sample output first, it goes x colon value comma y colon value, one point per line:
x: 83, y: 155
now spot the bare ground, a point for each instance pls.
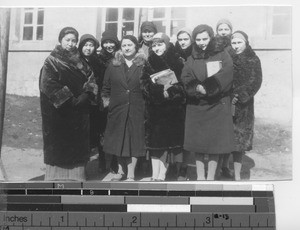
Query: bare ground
x: 22, y: 156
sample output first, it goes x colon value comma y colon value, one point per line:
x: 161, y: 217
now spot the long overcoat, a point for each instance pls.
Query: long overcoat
x: 65, y: 127
x: 164, y: 117
x: 125, y: 132
x: 247, y: 79
x: 208, y: 124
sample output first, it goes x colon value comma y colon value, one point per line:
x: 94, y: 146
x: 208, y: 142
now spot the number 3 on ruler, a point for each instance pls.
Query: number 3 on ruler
x: 207, y: 220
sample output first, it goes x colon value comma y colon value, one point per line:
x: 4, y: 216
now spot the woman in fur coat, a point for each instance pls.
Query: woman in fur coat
x: 247, y: 79
x: 164, y: 106
x: 65, y: 98
x: 121, y: 92
x: 207, y: 77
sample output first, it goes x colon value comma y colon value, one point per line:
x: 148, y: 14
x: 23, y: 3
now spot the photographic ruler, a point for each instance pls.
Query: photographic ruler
x: 136, y: 206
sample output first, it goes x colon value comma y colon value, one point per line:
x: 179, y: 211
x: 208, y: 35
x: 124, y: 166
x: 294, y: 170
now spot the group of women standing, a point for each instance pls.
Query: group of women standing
x: 85, y: 94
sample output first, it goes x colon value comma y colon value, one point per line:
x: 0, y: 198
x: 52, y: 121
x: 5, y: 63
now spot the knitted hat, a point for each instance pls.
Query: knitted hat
x: 148, y: 26
x: 161, y: 37
x: 107, y: 35
x: 133, y: 39
x: 68, y: 30
x: 202, y: 28
x: 185, y: 30
x: 224, y: 21
x: 87, y: 37
x: 241, y: 35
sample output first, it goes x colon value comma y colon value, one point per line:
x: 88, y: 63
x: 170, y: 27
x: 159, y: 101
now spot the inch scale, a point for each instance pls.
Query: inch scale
x: 128, y: 206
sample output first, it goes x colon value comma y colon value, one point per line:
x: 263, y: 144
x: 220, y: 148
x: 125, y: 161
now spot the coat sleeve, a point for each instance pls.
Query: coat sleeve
x: 152, y: 92
x: 50, y: 85
x: 106, y: 88
x: 189, y: 80
x: 247, y: 91
x: 221, y: 82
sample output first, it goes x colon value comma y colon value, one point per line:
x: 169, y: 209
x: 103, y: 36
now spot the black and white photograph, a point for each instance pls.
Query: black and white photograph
x: 81, y: 103
x: 152, y: 93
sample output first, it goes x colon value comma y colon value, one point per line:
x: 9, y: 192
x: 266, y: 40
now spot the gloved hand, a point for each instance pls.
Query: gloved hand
x: 91, y: 85
x: 82, y: 100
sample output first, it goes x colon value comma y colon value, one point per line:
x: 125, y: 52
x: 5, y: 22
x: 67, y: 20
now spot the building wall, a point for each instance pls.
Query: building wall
x: 273, y: 101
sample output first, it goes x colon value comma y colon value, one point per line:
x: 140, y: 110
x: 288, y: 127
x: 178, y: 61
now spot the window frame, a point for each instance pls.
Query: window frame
x: 34, y: 23
x: 167, y: 20
x: 120, y: 20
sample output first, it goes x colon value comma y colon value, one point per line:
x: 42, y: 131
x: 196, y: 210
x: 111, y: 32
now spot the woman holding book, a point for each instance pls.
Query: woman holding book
x: 125, y: 132
x: 207, y: 77
x: 247, y: 79
x: 165, y: 99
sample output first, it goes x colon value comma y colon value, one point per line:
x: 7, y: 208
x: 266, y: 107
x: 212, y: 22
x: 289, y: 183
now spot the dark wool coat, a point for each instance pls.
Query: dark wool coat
x: 247, y: 79
x: 65, y: 128
x: 164, y: 116
x: 125, y: 132
x: 208, y: 125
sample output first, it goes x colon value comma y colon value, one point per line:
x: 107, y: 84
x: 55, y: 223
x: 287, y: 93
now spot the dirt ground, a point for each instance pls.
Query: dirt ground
x: 22, y: 155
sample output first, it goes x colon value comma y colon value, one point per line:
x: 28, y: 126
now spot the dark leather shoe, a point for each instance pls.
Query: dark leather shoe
x: 226, y: 172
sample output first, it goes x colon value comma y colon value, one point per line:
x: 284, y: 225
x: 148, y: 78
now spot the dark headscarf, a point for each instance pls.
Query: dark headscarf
x: 107, y: 35
x: 202, y: 28
x: 68, y: 30
x: 88, y: 37
x: 133, y: 39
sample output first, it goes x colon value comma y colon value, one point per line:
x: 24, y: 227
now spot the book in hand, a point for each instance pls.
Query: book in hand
x: 213, y: 67
x: 166, y: 78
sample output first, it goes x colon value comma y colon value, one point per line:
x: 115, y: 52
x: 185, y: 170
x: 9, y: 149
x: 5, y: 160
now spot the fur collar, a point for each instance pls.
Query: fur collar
x: 70, y: 58
x: 183, y: 53
x: 168, y: 60
x: 245, y: 56
x: 139, y: 58
x: 215, y: 46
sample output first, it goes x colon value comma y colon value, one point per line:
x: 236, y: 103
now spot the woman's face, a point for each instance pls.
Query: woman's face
x: 128, y: 48
x: 68, y: 42
x: 109, y: 46
x: 224, y: 30
x: 147, y: 35
x: 184, y: 40
x: 159, y: 48
x: 239, y: 45
x: 202, y: 40
x: 88, y: 48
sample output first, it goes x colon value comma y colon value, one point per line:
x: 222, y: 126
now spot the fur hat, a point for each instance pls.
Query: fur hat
x: 224, y: 21
x: 133, y: 39
x: 161, y: 37
x: 148, y: 26
x: 68, y: 30
x: 241, y: 35
x: 107, y: 35
x: 202, y: 28
x: 185, y: 30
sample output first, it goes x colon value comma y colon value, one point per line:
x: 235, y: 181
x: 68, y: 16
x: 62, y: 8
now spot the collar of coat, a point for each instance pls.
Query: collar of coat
x: 183, y: 53
x: 71, y: 58
x: 215, y: 46
x: 170, y: 59
x: 139, y: 58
